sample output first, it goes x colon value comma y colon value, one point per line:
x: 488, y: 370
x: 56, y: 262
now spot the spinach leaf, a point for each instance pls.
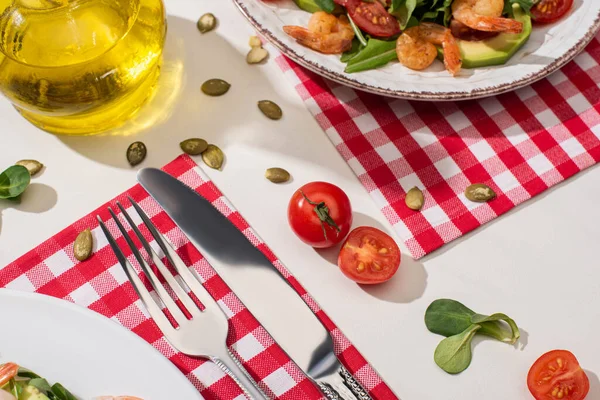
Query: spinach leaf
x: 62, y: 393
x: 377, y: 54
x: 41, y: 384
x: 356, y: 48
x: 403, y: 10
x: 453, y: 354
x: 25, y: 373
x: 448, y: 317
x: 410, y: 12
x: 326, y: 5
x: 14, y: 181
x: 524, y: 4
x: 357, y: 32
x: 495, y: 330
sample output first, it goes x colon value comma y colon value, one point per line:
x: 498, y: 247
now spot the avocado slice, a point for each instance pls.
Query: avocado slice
x: 312, y: 7
x: 497, y: 50
x: 32, y: 393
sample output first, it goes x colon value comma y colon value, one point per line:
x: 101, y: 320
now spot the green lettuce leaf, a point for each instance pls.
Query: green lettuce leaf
x: 525, y: 5
x: 403, y: 10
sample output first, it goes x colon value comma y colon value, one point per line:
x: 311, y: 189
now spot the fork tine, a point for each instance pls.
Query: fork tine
x: 161, y: 292
x: 145, y: 296
x: 188, y: 277
x: 179, y: 290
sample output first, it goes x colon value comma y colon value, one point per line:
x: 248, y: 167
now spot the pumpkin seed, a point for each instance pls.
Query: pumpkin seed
x: 479, y: 193
x: 414, y: 199
x: 256, y: 55
x: 193, y: 146
x: 32, y: 166
x: 270, y: 109
x: 136, y: 153
x: 277, y: 175
x: 207, y: 23
x: 215, y: 87
x: 82, y: 248
x: 213, y: 156
x: 255, y: 41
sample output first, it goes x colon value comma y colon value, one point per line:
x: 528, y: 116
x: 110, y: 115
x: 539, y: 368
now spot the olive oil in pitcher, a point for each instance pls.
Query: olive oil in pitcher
x: 80, y: 66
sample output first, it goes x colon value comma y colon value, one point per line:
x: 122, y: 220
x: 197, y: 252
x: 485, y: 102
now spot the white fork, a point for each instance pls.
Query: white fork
x: 205, y: 334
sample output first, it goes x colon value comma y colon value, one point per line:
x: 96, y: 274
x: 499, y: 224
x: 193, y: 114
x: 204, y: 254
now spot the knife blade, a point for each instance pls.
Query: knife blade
x: 247, y: 271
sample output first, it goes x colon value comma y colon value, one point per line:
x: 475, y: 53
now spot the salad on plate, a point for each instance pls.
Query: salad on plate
x: 17, y: 383
x: 461, y: 33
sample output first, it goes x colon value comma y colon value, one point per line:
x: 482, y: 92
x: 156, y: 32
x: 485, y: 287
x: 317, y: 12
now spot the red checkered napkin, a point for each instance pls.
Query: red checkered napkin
x: 101, y: 285
x: 520, y: 144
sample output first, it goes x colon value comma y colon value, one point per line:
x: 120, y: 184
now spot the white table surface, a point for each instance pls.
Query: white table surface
x: 537, y: 264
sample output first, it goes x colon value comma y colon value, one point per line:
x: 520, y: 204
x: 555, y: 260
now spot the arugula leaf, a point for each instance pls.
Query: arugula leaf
x: 356, y: 48
x: 326, y: 5
x: 357, y: 32
x: 14, y: 181
x: 524, y: 4
x: 377, y: 54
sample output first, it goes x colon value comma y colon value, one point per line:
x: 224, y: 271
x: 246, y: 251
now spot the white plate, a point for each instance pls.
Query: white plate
x: 86, y: 352
x: 548, y: 49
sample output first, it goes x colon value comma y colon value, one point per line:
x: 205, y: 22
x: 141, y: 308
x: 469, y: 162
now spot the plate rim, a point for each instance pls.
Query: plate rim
x: 527, y: 80
x: 116, y: 327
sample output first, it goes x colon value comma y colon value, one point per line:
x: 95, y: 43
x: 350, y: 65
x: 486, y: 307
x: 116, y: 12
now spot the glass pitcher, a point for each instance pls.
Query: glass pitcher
x: 80, y: 67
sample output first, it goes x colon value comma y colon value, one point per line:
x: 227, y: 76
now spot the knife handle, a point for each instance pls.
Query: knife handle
x: 353, y: 384
x: 342, y: 386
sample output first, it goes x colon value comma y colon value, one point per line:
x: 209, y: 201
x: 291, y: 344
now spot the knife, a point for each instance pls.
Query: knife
x: 258, y: 284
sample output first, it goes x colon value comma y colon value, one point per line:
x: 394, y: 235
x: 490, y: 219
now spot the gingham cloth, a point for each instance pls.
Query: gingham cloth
x: 520, y: 144
x: 101, y: 285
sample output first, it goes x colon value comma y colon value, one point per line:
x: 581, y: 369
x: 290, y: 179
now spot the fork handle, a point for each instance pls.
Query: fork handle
x: 232, y: 367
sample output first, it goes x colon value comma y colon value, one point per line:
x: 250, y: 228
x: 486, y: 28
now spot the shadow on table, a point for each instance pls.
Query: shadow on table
x: 38, y: 198
x: 407, y: 285
x: 179, y: 110
x: 594, y: 385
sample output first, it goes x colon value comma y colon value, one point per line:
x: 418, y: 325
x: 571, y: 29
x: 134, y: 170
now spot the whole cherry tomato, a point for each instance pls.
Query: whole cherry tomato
x: 320, y: 214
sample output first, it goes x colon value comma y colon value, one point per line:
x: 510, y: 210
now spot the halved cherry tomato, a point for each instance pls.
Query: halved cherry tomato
x: 372, y: 18
x: 369, y: 256
x: 557, y: 375
x: 320, y: 214
x: 547, y: 11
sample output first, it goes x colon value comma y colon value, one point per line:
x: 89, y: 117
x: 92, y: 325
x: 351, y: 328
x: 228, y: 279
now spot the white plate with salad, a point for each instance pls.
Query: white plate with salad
x: 66, y: 352
x: 428, y: 49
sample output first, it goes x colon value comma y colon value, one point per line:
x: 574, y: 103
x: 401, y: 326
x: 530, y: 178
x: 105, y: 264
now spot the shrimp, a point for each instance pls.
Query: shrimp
x: 484, y: 15
x: 7, y: 372
x: 326, y: 33
x: 416, y: 47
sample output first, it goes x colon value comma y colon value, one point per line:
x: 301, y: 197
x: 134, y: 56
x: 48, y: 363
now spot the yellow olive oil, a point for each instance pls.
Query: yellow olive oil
x: 80, y: 67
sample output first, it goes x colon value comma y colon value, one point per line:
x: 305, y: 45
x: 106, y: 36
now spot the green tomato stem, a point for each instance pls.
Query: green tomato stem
x: 322, y: 212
